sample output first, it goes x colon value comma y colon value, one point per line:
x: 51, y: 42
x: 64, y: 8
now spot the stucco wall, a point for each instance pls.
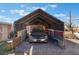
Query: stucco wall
x: 5, y: 29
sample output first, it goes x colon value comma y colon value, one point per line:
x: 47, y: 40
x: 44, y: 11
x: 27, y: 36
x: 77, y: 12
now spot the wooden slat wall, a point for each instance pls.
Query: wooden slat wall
x: 59, y: 36
x: 16, y: 41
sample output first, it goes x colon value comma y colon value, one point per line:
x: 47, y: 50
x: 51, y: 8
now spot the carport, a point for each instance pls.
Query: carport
x: 53, y: 26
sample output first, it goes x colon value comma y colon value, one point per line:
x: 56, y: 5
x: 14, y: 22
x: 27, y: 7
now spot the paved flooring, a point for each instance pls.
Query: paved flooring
x: 47, y: 48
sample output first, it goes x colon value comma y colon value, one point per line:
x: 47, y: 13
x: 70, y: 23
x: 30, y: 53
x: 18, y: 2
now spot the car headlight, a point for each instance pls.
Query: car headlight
x: 43, y: 39
x: 34, y: 40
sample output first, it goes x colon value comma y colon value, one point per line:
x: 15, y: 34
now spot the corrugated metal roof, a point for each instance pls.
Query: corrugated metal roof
x: 39, y: 11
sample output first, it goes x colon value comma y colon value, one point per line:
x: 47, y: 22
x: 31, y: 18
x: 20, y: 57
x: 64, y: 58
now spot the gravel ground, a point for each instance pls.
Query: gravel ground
x: 48, y: 48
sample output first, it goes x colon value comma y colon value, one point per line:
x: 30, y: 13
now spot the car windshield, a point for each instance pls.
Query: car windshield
x: 38, y: 33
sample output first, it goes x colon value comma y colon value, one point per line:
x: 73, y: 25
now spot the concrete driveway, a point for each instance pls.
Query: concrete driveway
x: 47, y: 48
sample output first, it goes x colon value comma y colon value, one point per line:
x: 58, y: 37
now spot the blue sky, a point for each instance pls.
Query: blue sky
x: 10, y: 12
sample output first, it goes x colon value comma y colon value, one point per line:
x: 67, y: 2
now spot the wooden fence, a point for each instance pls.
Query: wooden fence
x: 16, y: 41
x: 59, y: 36
x: 20, y: 37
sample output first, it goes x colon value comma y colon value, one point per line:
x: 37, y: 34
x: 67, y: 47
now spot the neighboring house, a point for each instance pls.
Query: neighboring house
x: 5, y: 29
x: 54, y: 26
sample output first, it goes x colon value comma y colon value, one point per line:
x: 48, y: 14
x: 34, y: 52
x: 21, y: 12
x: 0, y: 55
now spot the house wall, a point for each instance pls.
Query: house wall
x: 5, y: 29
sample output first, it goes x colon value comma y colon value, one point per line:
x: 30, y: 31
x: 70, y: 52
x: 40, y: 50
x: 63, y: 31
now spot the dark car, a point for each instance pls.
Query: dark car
x: 38, y: 35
